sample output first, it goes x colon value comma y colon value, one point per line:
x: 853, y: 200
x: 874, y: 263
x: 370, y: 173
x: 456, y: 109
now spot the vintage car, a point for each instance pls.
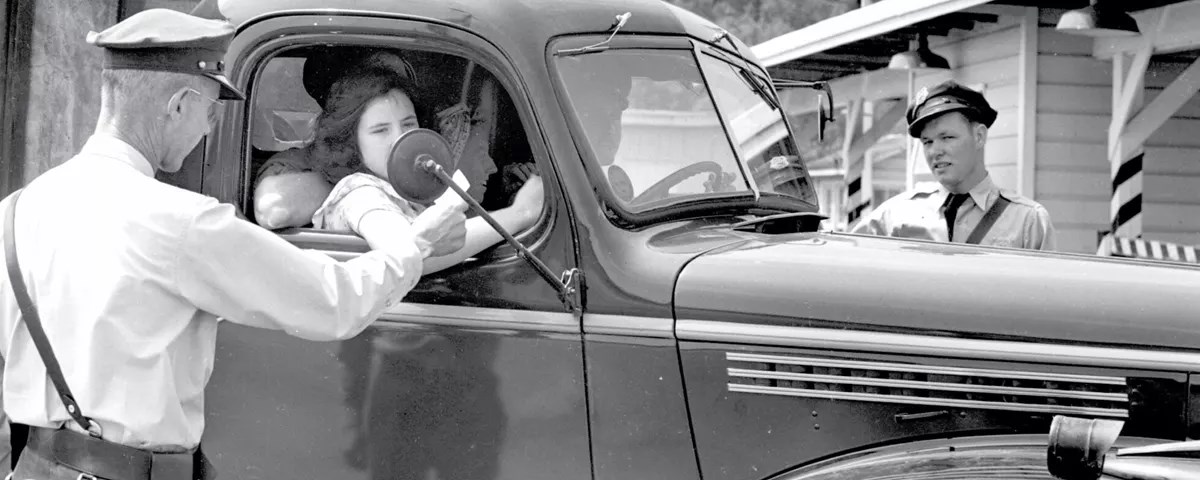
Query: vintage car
x: 700, y: 325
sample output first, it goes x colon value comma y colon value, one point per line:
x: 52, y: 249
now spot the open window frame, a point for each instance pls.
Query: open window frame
x: 518, y: 114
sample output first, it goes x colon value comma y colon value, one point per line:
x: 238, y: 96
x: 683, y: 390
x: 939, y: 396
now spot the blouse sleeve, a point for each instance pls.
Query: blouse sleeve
x: 355, y: 196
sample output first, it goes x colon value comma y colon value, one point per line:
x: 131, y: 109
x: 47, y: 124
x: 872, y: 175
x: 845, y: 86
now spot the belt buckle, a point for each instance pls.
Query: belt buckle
x: 94, y: 430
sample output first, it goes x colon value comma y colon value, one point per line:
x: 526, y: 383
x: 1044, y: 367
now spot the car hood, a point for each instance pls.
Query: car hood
x: 854, y: 281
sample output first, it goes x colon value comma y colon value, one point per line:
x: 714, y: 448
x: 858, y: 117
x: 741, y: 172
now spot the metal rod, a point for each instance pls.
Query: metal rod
x: 433, y: 167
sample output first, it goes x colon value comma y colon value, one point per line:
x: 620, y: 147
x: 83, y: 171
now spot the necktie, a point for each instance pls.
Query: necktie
x: 953, y: 202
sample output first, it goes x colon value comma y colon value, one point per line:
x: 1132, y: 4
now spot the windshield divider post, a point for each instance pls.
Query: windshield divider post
x: 738, y: 154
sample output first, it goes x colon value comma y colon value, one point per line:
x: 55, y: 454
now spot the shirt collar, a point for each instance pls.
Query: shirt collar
x: 981, y: 194
x: 108, y: 146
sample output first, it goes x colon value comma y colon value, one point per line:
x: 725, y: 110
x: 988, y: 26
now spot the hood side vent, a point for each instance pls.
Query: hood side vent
x: 913, y: 384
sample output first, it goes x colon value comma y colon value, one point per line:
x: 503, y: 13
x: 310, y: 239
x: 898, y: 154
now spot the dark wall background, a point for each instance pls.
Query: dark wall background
x: 51, y: 79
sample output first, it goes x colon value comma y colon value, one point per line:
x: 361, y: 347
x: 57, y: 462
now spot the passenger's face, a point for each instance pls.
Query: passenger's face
x: 477, y: 168
x: 383, y: 121
x: 954, y: 151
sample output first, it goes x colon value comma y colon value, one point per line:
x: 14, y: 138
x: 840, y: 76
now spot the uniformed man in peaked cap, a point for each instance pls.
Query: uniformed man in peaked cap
x: 965, y: 206
x: 115, y: 281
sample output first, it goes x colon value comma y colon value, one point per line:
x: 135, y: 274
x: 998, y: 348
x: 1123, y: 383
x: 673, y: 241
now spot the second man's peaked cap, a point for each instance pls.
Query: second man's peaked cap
x: 948, y: 97
x: 165, y: 40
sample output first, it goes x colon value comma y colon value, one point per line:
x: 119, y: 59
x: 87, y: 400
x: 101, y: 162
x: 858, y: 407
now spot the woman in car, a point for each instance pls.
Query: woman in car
x: 364, y: 113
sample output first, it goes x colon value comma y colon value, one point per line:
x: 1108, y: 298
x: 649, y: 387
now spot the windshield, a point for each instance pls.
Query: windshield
x: 659, y: 132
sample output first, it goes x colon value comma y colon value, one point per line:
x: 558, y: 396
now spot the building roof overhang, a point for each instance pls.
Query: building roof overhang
x: 864, y: 39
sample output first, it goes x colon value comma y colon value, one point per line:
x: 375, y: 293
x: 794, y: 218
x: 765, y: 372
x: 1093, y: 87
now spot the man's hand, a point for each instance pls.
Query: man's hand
x: 441, y: 229
x: 515, y: 175
x: 520, y: 172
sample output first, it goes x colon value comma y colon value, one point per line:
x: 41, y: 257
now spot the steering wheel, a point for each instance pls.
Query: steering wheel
x: 661, y: 188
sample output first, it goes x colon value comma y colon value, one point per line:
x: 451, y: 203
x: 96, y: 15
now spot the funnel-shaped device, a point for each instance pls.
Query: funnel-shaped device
x: 410, y: 165
x: 418, y: 169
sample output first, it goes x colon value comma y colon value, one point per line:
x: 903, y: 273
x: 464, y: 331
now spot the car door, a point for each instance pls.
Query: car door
x: 477, y: 374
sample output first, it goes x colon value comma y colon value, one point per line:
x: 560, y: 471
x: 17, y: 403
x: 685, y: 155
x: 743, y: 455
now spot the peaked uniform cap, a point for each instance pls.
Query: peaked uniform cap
x: 165, y: 40
x: 948, y: 97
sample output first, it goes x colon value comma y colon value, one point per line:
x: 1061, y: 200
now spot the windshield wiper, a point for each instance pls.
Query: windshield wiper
x: 618, y: 22
x: 759, y: 88
x: 750, y: 79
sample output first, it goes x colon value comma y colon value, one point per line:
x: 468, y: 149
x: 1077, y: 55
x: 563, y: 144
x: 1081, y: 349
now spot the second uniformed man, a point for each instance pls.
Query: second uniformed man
x: 965, y: 206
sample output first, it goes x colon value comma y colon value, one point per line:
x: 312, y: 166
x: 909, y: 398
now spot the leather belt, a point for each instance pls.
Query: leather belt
x: 109, y: 460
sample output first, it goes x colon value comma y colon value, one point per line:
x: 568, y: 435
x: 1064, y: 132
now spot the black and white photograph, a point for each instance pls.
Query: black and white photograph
x: 600, y: 240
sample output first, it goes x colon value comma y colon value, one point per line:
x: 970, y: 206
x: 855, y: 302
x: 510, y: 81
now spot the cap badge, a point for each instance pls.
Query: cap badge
x: 922, y: 95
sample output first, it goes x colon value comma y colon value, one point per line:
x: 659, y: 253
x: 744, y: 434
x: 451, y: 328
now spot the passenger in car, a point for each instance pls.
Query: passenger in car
x: 364, y: 113
x: 289, y: 189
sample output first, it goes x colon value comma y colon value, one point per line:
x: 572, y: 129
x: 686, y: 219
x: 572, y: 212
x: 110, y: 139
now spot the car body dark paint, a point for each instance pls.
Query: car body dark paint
x: 486, y: 374
x: 751, y: 436
x: 640, y: 426
x: 970, y: 291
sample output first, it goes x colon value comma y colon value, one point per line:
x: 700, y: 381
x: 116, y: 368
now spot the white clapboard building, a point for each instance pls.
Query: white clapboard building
x: 1099, y: 123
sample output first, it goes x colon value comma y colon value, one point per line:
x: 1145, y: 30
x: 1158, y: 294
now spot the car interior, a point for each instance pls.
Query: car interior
x: 284, y: 108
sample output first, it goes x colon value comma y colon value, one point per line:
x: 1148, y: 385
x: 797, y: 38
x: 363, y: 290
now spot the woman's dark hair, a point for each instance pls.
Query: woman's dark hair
x: 334, y: 148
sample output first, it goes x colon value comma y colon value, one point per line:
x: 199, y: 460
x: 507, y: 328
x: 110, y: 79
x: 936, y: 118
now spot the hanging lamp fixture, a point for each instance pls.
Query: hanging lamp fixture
x: 919, y: 56
x: 1098, y: 19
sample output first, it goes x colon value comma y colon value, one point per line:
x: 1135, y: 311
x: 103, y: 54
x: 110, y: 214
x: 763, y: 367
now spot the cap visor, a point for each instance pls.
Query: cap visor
x: 228, y: 91
x: 914, y: 129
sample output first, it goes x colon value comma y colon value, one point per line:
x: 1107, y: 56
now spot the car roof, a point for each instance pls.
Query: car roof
x: 502, y: 18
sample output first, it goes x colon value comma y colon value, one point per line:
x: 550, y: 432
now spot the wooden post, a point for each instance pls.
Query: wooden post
x: 1027, y: 108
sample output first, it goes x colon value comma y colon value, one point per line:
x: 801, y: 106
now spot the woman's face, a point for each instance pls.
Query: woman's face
x: 383, y: 121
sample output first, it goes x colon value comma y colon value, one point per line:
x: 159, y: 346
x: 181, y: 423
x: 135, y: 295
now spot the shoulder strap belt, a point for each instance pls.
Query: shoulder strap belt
x: 989, y: 219
x: 34, y: 323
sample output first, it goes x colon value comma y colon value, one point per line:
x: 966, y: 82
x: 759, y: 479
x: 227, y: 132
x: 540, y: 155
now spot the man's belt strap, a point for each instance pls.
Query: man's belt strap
x: 989, y: 219
x: 104, y: 459
x: 34, y: 322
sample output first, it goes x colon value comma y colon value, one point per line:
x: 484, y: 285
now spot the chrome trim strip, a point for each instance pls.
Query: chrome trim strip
x: 915, y: 368
x: 933, y: 346
x: 482, y: 318
x: 937, y: 402
x: 936, y: 386
x: 627, y: 325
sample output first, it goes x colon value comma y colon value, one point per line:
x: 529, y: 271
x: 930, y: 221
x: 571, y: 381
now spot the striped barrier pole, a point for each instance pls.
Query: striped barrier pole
x: 1119, y: 246
x: 857, y: 197
x: 858, y: 202
x: 1125, y: 154
x: 1126, y: 204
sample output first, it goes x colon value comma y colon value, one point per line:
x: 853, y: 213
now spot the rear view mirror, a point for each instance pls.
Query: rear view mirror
x: 824, y: 102
x: 420, y: 167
